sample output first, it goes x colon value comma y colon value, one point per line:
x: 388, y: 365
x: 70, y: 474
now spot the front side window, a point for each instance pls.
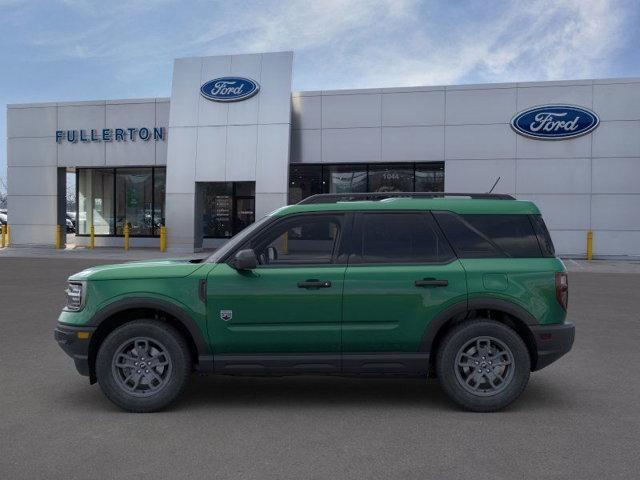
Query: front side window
x: 303, y: 240
x: 399, y: 238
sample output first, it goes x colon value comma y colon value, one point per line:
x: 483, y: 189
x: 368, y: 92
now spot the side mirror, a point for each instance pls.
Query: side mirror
x: 245, y: 260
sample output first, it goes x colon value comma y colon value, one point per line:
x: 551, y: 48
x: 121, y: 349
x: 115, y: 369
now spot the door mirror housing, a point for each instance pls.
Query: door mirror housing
x: 245, y: 260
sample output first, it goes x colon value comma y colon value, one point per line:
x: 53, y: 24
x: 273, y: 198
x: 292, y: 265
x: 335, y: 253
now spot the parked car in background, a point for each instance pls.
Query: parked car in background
x: 468, y: 289
x: 71, y: 222
x: 3, y: 218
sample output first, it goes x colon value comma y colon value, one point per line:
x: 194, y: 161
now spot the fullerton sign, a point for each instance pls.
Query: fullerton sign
x: 110, y: 135
x: 555, y: 122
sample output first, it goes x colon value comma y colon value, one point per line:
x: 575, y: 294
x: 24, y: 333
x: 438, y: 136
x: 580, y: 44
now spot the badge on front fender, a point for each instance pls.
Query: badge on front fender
x: 226, y: 315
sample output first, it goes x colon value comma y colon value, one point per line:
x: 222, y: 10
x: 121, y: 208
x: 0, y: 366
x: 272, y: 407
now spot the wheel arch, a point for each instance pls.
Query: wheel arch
x: 502, y: 311
x: 126, y: 310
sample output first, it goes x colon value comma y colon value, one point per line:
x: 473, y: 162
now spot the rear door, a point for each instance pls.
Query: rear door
x: 401, y: 273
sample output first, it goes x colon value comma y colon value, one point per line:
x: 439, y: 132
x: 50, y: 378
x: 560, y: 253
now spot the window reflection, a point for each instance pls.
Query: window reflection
x: 95, y: 201
x: 391, y: 178
x: 134, y: 193
x: 307, y: 180
x: 227, y: 207
x: 110, y: 198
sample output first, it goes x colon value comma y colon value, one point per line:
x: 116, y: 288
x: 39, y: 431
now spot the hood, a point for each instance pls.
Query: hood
x: 140, y: 270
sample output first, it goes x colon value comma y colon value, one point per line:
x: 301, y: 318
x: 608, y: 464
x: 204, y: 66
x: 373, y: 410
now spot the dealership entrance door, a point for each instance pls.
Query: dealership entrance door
x: 224, y: 208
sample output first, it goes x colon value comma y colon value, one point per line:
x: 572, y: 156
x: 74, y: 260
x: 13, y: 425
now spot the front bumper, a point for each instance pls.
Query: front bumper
x: 552, y: 342
x: 75, y: 343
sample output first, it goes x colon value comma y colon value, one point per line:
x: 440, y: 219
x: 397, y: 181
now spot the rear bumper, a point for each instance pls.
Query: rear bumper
x: 75, y: 346
x: 552, y: 342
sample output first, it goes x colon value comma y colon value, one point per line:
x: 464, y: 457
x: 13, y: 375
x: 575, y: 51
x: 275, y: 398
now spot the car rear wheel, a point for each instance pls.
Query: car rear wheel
x: 143, y: 366
x: 483, y: 365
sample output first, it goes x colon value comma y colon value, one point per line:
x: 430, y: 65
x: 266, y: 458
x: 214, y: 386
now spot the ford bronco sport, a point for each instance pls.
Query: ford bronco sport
x: 465, y: 287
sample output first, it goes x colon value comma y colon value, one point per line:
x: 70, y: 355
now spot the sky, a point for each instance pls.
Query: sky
x: 87, y: 50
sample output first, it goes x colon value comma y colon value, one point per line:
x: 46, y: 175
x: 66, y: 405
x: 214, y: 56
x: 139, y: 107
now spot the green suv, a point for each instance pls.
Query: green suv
x: 463, y: 287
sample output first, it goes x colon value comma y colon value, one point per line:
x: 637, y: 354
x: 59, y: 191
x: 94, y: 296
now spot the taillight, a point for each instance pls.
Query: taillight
x: 562, y: 289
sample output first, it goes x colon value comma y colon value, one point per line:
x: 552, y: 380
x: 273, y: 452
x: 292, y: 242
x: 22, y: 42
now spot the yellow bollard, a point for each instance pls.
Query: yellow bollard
x: 126, y: 236
x: 3, y: 235
x: 58, y: 236
x: 163, y: 238
x: 8, y: 235
x: 589, y: 245
x: 92, y: 237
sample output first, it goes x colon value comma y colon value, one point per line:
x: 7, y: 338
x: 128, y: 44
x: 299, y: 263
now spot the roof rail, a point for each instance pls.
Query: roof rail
x: 354, y: 197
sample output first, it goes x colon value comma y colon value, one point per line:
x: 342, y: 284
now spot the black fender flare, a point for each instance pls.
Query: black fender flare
x: 172, y: 309
x: 463, y: 307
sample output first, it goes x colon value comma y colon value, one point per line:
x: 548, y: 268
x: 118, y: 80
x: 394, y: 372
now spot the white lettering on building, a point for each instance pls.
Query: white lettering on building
x: 548, y: 122
x: 224, y: 88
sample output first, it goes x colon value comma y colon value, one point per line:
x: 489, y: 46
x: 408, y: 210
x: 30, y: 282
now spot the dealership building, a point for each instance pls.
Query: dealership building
x: 233, y: 142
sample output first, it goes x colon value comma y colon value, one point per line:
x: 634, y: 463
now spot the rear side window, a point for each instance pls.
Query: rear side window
x: 399, y: 238
x: 490, y: 236
x: 544, y: 239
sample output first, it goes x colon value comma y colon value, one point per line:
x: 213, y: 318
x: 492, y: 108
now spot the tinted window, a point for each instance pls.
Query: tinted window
x: 490, y: 236
x: 544, y: 239
x: 304, y: 240
x: 399, y: 238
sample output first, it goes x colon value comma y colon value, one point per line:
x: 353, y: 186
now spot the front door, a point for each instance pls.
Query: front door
x: 401, y: 273
x: 290, y: 305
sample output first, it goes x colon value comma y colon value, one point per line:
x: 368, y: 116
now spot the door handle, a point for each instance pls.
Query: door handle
x: 314, y: 284
x: 431, y: 282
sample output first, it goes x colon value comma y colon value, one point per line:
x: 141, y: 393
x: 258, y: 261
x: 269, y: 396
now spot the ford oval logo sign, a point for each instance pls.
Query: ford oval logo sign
x: 229, y: 89
x: 555, y: 122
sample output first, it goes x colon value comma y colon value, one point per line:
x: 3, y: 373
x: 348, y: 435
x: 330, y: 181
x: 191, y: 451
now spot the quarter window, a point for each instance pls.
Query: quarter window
x: 399, y: 238
x: 490, y: 235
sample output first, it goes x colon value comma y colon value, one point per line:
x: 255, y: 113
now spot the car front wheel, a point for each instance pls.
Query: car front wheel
x: 483, y: 365
x: 143, y: 366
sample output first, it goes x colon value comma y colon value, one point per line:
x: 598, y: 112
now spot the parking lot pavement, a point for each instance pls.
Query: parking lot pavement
x: 578, y: 419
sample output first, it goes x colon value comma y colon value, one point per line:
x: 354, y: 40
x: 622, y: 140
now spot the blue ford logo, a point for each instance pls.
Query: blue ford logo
x: 229, y: 89
x: 555, y: 122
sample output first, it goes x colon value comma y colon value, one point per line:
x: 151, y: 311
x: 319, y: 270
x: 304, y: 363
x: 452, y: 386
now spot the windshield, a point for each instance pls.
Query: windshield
x: 237, y: 240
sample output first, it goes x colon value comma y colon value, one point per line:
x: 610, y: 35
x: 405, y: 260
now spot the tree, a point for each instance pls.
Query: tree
x: 3, y: 193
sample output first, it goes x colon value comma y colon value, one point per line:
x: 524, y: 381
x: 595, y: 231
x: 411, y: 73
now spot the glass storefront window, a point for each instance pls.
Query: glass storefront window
x: 134, y: 193
x: 159, y: 194
x: 304, y: 181
x: 391, y: 178
x: 227, y: 207
x: 344, y: 178
x: 95, y: 201
x: 430, y: 177
x: 307, y: 180
x: 110, y: 198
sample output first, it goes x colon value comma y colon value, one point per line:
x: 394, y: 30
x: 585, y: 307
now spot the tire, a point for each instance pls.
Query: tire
x: 502, y: 360
x: 139, y: 383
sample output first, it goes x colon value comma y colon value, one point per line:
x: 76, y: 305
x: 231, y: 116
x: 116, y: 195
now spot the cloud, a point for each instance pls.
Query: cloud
x: 360, y: 43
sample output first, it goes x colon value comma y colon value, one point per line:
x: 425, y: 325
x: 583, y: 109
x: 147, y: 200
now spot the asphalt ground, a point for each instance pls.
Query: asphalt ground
x: 578, y: 418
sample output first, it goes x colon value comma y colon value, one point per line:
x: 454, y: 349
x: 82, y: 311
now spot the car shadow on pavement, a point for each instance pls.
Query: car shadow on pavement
x: 332, y: 392
x: 220, y: 392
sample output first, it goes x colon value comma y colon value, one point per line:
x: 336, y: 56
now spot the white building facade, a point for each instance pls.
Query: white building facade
x: 234, y: 142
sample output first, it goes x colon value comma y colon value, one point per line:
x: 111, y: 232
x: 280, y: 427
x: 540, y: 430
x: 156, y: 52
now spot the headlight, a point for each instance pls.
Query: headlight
x: 75, y: 296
